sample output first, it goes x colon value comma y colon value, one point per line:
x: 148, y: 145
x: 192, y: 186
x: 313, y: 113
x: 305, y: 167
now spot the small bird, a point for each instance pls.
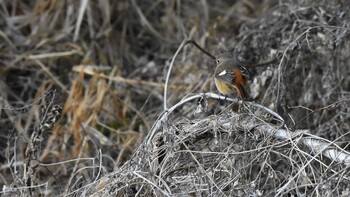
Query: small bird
x: 231, y: 75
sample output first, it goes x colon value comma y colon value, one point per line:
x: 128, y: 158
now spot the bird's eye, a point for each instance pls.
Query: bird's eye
x: 218, y: 60
x: 243, y: 68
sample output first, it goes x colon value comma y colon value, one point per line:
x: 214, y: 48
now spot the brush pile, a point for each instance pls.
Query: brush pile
x: 82, y: 106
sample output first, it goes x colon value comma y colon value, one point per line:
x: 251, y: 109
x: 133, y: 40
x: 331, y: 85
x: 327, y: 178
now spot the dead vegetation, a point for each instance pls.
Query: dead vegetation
x: 105, y: 64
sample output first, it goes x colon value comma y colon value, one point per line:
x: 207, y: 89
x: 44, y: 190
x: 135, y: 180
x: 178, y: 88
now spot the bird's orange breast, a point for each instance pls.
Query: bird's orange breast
x: 239, y: 78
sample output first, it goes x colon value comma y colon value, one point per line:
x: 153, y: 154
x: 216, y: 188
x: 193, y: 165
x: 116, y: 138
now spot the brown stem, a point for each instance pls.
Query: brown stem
x: 200, y: 48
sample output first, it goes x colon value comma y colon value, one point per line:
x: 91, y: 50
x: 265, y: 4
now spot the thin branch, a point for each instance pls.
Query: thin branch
x: 169, y: 71
x: 200, y: 48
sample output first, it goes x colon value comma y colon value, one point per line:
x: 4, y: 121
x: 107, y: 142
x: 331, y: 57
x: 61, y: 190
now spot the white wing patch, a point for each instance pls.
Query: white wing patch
x: 222, y: 73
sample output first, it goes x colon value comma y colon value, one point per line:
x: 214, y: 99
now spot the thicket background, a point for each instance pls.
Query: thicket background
x: 104, y: 62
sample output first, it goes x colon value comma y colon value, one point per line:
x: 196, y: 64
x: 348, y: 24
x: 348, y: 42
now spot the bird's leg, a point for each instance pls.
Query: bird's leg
x: 241, y: 102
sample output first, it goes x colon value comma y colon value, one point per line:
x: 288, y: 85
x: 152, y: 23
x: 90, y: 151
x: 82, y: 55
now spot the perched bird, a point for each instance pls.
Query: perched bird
x: 231, y: 75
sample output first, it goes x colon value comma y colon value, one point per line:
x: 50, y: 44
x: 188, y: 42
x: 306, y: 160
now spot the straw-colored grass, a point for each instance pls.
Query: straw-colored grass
x: 108, y: 98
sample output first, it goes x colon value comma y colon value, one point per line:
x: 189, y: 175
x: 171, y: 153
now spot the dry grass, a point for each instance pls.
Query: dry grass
x: 105, y: 62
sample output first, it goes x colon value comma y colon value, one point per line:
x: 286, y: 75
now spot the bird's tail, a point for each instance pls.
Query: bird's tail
x: 242, y: 92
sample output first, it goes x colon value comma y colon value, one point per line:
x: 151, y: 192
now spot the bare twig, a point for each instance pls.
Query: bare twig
x: 169, y: 71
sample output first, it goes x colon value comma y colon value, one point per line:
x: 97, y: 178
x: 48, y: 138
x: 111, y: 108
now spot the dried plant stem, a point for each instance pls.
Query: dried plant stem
x: 169, y: 71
